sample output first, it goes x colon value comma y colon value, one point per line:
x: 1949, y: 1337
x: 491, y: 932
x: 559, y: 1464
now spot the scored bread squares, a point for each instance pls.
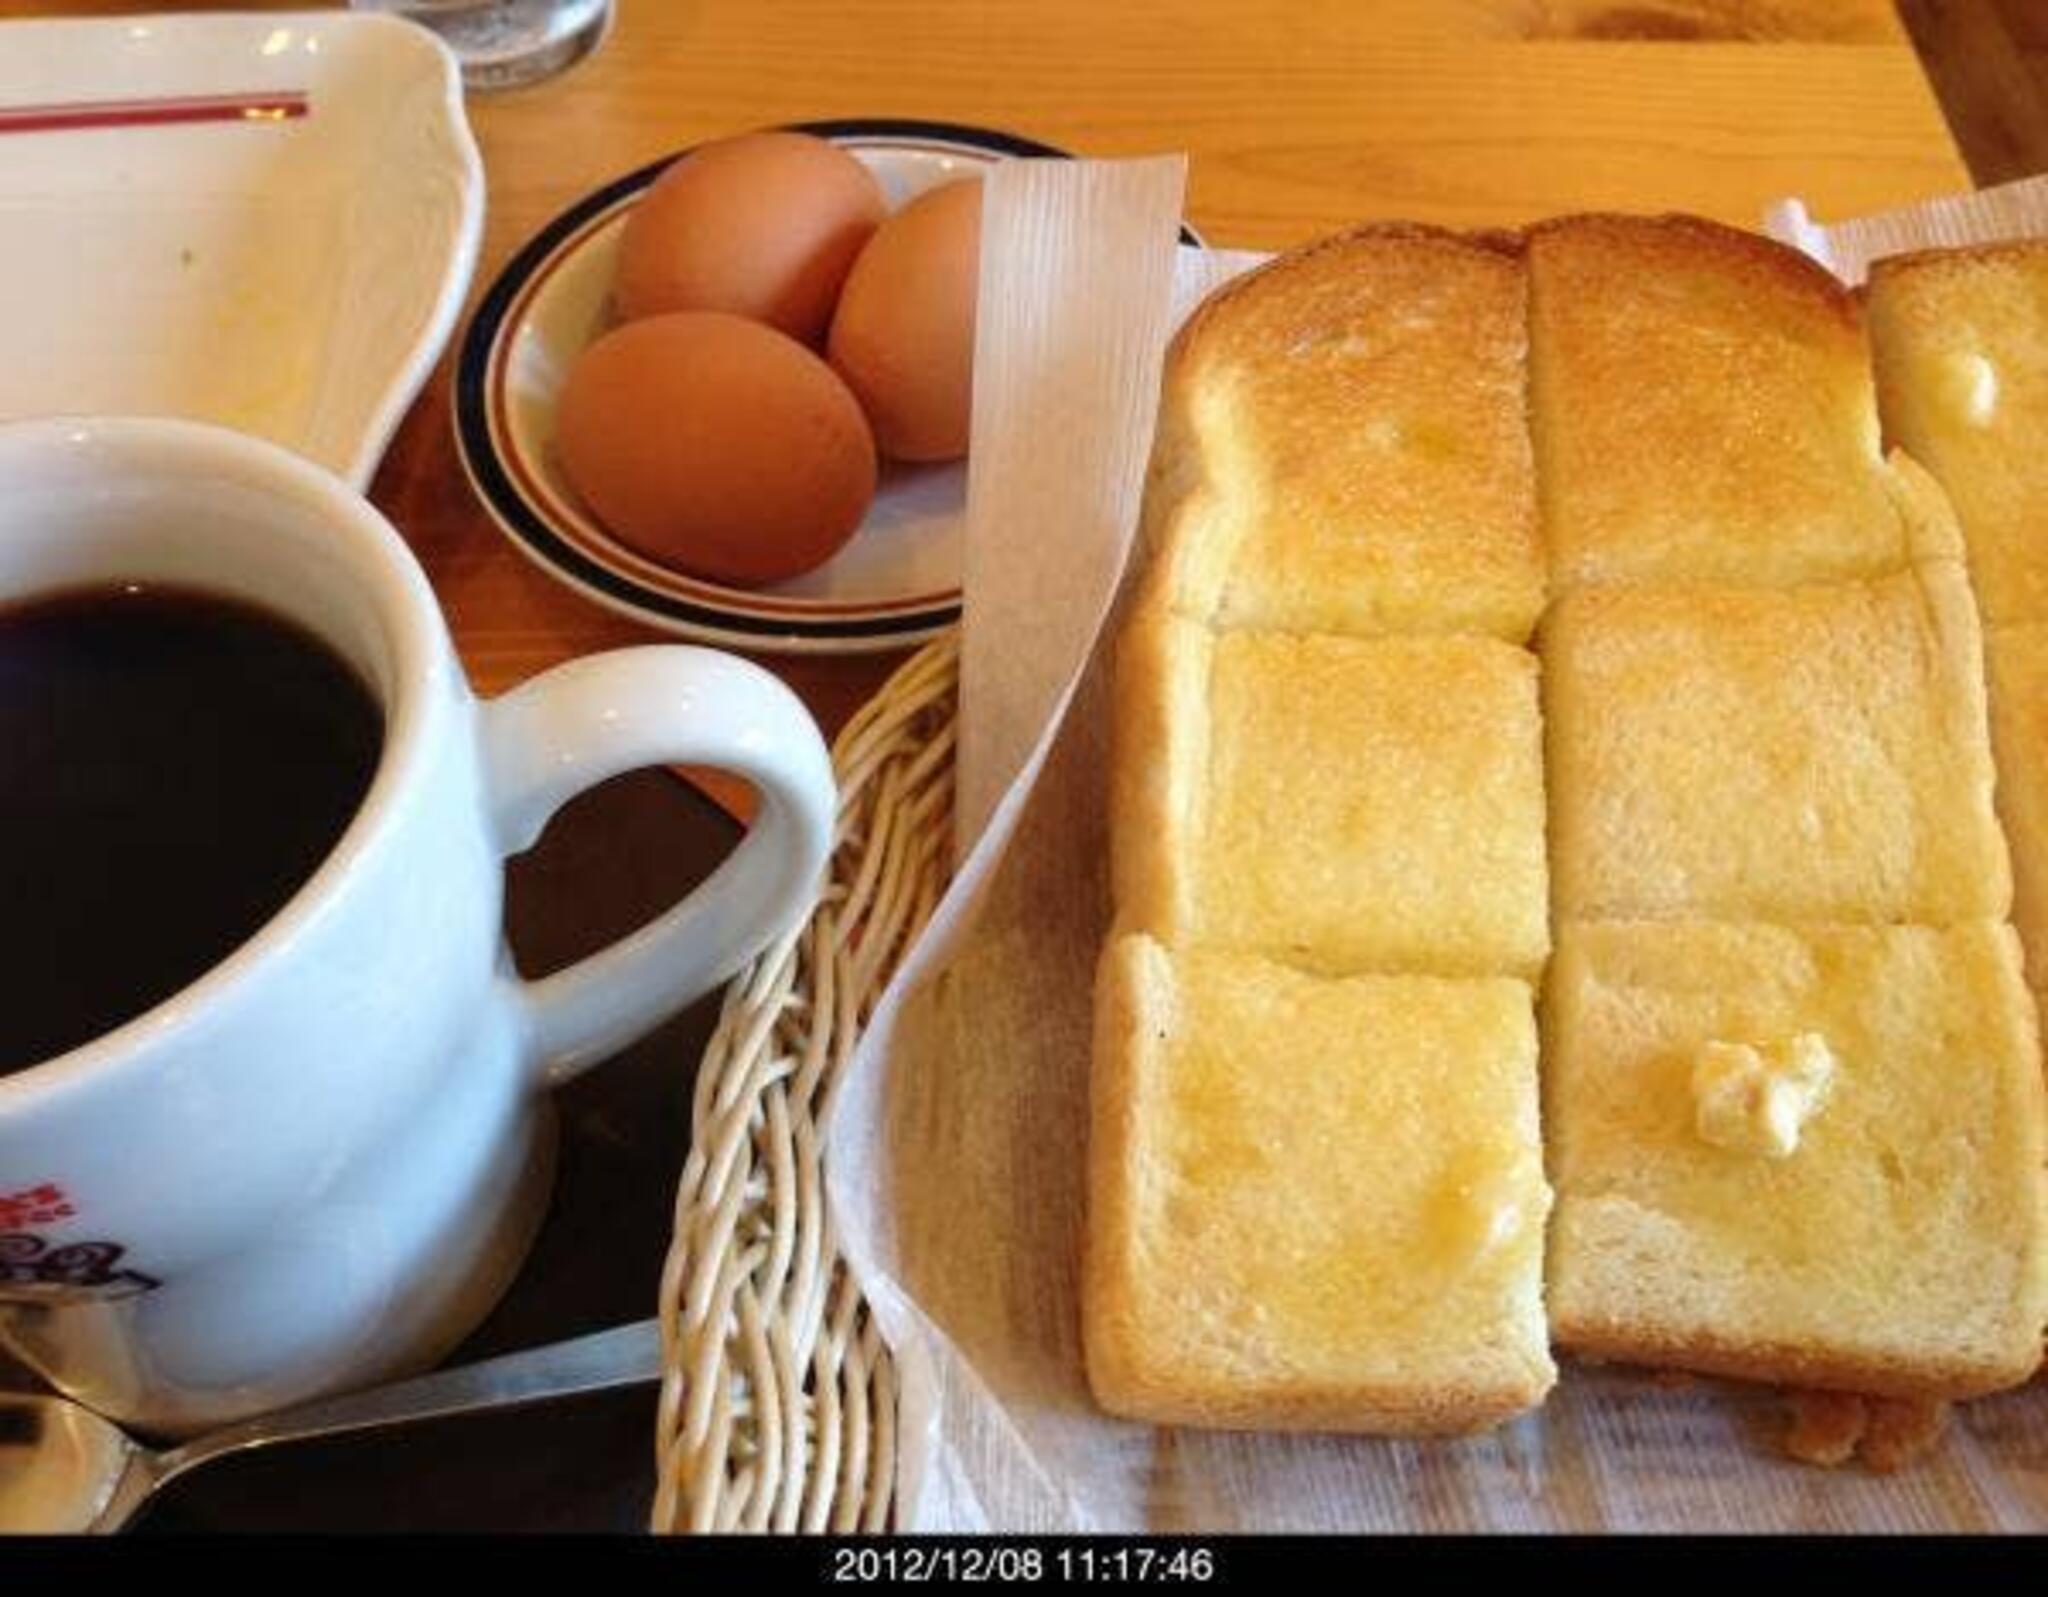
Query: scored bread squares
x: 1343, y: 444
x: 1704, y: 413
x: 1313, y: 1203
x: 1347, y: 804
x: 1798, y: 754
x: 1960, y: 339
x: 1895, y: 1247
x: 1316, y: 1186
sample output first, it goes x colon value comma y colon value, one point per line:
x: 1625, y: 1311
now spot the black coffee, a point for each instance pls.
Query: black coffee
x: 173, y: 767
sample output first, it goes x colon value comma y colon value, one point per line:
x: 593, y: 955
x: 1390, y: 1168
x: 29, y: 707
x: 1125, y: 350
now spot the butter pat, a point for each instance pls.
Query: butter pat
x: 1751, y: 1098
x: 1977, y: 382
x: 1899, y: 1249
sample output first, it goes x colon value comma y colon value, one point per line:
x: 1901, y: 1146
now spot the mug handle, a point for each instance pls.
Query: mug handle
x: 571, y: 728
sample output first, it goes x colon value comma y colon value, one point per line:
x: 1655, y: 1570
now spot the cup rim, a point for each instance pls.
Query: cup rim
x: 419, y: 651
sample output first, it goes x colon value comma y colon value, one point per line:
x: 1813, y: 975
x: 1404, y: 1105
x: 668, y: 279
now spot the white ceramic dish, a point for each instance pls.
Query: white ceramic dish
x: 266, y: 221
x: 896, y: 582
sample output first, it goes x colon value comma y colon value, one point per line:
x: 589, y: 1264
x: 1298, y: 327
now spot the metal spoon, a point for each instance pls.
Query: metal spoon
x: 64, y: 1469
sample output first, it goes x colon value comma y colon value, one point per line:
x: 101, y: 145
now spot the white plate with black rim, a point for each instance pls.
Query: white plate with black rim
x: 896, y: 582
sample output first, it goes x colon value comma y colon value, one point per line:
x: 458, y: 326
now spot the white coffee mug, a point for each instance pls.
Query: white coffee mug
x: 321, y: 1163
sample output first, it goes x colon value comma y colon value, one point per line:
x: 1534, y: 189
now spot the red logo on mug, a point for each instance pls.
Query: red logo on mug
x: 31, y: 1267
x: 43, y: 1205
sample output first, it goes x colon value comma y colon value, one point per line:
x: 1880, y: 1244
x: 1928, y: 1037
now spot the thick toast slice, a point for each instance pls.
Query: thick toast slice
x: 2018, y: 661
x: 1961, y: 344
x: 1896, y: 1248
x: 1704, y: 413
x: 1346, y: 804
x: 1313, y: 1203
x: 1344, y: 447
x: 1816, y: 753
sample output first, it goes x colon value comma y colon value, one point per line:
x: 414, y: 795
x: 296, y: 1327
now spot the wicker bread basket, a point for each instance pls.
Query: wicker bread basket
x: 778, y: 1397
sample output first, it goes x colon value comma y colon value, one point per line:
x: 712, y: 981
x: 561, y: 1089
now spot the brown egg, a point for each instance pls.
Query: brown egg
x: 766, y: 225
x: 903, y: 337
x: 716, y: 446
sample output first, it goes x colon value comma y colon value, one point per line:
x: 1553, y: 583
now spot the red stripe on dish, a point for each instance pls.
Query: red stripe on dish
x: 571, y: 526
x: 285, y: 106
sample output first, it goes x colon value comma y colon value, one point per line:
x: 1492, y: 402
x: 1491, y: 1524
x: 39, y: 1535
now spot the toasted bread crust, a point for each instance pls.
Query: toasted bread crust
x: 1703, y: 1351
x: 1343, y: 444
x: 1687, y: 240
x: 1703, y: 411
x: 2018, y: 660
x: 1216, y: 327
x: 1953, y: 258
x: 1960, y: 340
x: 1158, y: 750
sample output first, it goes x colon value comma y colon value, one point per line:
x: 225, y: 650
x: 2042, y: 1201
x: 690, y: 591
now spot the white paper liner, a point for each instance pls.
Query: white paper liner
x: 955, y: 1155
x: 2012, y: 210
